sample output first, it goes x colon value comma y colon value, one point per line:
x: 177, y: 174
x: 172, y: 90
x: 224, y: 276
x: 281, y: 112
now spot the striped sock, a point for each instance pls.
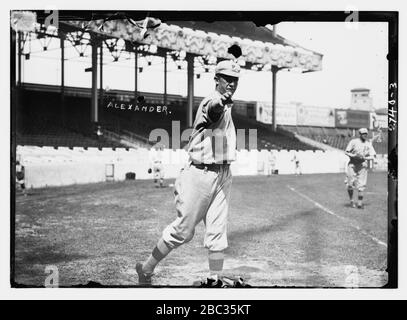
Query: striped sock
x: 215, y: 259
x: 350, y: 193
x: 160, y: 251
x: 360, y: 199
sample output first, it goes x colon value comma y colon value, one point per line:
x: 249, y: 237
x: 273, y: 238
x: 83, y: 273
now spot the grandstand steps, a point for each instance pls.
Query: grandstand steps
x: 128, y: 139
x: 335, y: 138
x: 308, y: 141
x: 267, y: 139
x: 316, y: 144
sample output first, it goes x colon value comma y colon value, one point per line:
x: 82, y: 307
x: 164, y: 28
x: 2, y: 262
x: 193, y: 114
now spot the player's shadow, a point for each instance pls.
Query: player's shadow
x: 50, y: 255
x: 348, y: 205
x: 310, y: 246
x: 279, y: 225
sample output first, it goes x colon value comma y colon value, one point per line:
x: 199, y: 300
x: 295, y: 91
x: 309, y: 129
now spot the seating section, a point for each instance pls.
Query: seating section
x: 144, y: 123
x: 71, y: 126
x: 266, y: 138
x: 40, y: 123
x: 46, y: 134
x: 340, y: 137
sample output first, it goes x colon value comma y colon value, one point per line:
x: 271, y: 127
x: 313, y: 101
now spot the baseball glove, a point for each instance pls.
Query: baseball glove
x: 359, y: 157
x: 149, y: 170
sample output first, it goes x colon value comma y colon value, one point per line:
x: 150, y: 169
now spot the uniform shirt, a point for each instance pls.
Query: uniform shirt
x: 357, y: 146
x: 20, y: 172
x: 272, y: 158
x: 212, y: 141
x: 156, y: 157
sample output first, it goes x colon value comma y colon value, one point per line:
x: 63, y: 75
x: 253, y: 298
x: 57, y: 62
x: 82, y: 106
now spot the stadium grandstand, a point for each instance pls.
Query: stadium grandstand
x: 51, y: 118
x: 42, y: 122
x: 339, y: 137
x: 60, y: 115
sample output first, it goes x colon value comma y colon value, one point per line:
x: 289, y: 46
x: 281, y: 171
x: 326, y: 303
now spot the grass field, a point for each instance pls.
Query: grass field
x: 283, y: 231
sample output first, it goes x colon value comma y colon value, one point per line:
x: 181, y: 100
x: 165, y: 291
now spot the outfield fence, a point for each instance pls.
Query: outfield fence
x: 47, y: 166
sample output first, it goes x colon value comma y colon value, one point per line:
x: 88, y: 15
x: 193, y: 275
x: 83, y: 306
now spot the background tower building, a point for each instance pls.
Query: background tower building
x: 360, y: 99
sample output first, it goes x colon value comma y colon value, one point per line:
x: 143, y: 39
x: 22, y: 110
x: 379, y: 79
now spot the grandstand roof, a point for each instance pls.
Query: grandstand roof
x: 241, y: 29
x: 260, y: 47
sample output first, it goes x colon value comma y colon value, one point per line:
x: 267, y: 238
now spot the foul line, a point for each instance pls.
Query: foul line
x: 345, y: 220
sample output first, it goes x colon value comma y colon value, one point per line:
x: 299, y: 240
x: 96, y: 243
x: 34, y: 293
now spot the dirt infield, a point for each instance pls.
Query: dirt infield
x: 283, y: 231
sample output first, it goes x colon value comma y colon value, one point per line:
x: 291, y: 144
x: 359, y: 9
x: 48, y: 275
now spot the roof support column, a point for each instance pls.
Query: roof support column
x: 94, y: 114
x: 101, y: 74
x: 62, y: 45
x: 14, y: 99
x: 165, y: 79
x: 190, y: 91
x: 135, y: 75
x: 19, y: 42
x: 274, y: 70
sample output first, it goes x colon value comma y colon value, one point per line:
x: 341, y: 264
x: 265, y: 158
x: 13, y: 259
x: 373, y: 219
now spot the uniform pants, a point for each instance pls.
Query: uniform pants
x: 201, y: 195
x: 356, y: 176
x: 158, y: 171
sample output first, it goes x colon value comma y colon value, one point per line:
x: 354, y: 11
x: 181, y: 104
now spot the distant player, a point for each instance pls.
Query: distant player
x: 296, y: 160
x: 202, y: 190
x: 271, y: 165
x: 158, y: 168
x: 360, y: 151
x: 20, y: 177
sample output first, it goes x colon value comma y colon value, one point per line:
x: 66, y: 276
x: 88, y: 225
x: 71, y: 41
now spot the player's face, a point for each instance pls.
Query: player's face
x: 226, y: 83
x: 363, y: 136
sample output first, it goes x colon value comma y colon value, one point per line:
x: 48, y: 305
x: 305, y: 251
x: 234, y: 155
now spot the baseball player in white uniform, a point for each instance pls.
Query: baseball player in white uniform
x: 296, y: 160
x: 360, y: 151
x: 271, y: 165
x: 20, y: 177
x: 202, y: 190
x: 158, y: 168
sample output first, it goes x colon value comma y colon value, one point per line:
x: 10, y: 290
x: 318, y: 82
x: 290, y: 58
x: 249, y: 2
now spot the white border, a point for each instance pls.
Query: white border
x: 195, y: 294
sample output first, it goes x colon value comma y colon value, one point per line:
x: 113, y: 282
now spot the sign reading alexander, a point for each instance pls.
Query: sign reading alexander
x: 345, y: 118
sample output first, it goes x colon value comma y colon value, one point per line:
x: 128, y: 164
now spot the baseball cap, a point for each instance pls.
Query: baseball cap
x: 363, y: 130
x: 229, y: 68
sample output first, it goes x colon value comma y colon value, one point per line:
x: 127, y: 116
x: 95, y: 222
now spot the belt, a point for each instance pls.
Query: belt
x: 215, y: 167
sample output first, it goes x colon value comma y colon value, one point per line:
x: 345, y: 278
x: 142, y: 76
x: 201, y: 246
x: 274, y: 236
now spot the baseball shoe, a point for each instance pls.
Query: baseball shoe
x: 361, y: 206
x: 209, y: 283
x: 352, y: 204
x: 235, y: 283
x: 143, y: 278
x: 224, y: 282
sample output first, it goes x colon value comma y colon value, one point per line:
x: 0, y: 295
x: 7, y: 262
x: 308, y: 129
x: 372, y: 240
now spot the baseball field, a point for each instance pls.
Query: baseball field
x: 284, y: 230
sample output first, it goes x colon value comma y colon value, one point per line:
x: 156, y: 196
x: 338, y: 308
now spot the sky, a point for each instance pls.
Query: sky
x: 351, y: 58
